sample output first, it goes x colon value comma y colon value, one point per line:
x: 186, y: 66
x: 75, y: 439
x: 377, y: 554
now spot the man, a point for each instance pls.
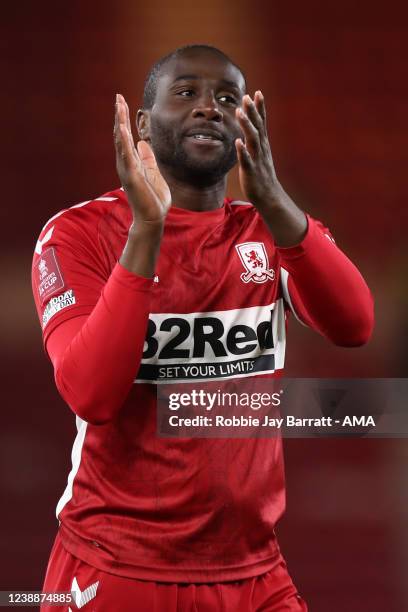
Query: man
x: 144, y: 281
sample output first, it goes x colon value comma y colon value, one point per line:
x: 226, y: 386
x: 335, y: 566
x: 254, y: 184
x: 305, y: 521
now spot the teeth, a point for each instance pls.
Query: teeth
x: 202, y: 137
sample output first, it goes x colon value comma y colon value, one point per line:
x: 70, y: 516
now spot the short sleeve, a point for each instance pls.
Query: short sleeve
x: 68, y: 269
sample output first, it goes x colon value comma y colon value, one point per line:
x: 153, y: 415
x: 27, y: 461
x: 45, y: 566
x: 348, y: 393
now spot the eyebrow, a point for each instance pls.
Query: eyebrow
x: 186, y: 77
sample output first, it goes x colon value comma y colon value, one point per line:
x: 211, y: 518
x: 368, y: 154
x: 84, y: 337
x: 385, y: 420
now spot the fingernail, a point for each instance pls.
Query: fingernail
x: 117, y: 98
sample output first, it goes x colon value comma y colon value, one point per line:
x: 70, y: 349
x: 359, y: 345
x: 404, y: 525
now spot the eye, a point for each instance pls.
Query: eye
x: 185, y: 91
x: 229, y: 99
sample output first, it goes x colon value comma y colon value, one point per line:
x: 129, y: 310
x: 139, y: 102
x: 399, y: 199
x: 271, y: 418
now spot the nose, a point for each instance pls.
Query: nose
x: 207, y: 107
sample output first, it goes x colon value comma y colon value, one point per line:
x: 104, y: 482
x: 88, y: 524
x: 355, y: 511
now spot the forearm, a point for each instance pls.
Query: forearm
x: 96, y: 366
x: 327, y: 290
x: 142, y: 248
x: 284, y: 219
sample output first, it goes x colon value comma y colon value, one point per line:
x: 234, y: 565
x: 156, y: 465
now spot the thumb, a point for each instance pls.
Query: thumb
x: 146, y: 154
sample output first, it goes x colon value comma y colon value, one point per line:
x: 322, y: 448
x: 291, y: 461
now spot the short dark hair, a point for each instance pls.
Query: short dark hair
x: 150, y: 86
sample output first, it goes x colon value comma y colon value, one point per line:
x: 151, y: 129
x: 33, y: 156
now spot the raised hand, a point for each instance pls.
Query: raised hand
x: 256, y: 170
x: 148, y: 193
x: 257, y: 176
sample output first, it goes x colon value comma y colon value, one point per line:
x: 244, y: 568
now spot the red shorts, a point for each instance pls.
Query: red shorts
x: 98, y: 591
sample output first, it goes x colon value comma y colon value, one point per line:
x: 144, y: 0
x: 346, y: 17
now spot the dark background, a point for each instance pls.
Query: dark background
x: 334, y: 79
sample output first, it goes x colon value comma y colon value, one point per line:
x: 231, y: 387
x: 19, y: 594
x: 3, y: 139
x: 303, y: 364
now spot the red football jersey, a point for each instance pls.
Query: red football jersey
x: 175, y: 510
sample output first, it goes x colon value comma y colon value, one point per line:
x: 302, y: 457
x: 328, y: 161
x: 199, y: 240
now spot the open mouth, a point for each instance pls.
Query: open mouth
x: 205, y: 135
x: 205, y: 139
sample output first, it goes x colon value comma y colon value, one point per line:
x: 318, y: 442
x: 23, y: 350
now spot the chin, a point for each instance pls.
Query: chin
x: 215, y: 166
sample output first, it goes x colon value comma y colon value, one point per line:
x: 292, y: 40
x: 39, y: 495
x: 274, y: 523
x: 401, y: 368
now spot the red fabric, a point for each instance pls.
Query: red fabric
x: 327, y: 291
x: 111, y: 338
x: 175, y: 509
x: 273, y: 591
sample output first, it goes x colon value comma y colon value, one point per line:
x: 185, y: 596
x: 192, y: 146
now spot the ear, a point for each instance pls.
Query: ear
x: 143, y: 124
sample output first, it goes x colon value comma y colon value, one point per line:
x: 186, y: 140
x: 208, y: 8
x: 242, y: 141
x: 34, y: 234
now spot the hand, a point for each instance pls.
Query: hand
x: 287, y: 223
x: 257, y: 174
x: 148, y: 193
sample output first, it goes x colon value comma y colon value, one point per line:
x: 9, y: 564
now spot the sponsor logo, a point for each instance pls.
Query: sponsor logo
x: 56, y: 304
x: 82, y: 597
x: 213, y: 345
x: 50, y: 278
x: 255, y: 261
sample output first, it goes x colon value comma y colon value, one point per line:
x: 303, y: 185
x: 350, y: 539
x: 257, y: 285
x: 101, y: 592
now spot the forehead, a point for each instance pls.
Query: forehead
x: 202, y: 65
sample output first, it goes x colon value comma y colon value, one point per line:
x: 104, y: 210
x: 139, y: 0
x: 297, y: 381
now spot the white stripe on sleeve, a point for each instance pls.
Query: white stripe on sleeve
x: 284, y: 281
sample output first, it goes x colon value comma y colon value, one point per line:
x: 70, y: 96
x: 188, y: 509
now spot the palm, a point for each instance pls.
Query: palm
x: 244, y: 183
x: 148, y: 193
x: 154, y: 192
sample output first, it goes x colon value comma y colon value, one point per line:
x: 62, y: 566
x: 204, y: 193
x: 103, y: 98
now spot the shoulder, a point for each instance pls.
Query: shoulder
x: 81, y: 219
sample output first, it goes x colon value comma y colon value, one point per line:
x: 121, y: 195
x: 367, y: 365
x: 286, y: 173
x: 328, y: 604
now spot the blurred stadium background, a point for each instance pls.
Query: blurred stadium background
x: 336, y: 95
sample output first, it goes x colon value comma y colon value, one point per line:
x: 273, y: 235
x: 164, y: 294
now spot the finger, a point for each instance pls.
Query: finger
x: 251, y: 134
x: 120, y: 111
x: 116, y: 130
x: 244, y: 158
x: 257, y: 114
x: 123, y: 135
x: 260, y: 105
x: 259, y: 102
x: 127, y: 148
x: 253, y: 114
x: 120, y: 117
x: 123, y: 112
x: 127, y: 117
x: 116, y: 122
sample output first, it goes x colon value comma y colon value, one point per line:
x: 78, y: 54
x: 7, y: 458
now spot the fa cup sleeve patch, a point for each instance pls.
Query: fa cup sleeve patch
x: 49, y: 279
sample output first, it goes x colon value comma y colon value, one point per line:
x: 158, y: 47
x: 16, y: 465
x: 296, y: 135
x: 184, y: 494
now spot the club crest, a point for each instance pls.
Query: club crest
x: 255, y: 261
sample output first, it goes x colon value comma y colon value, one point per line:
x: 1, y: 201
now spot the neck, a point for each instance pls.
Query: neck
x: 196, y: 197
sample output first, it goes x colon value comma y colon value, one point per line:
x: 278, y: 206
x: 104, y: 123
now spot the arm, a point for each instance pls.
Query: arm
x: 96, y: 357
x: 325, y: 288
